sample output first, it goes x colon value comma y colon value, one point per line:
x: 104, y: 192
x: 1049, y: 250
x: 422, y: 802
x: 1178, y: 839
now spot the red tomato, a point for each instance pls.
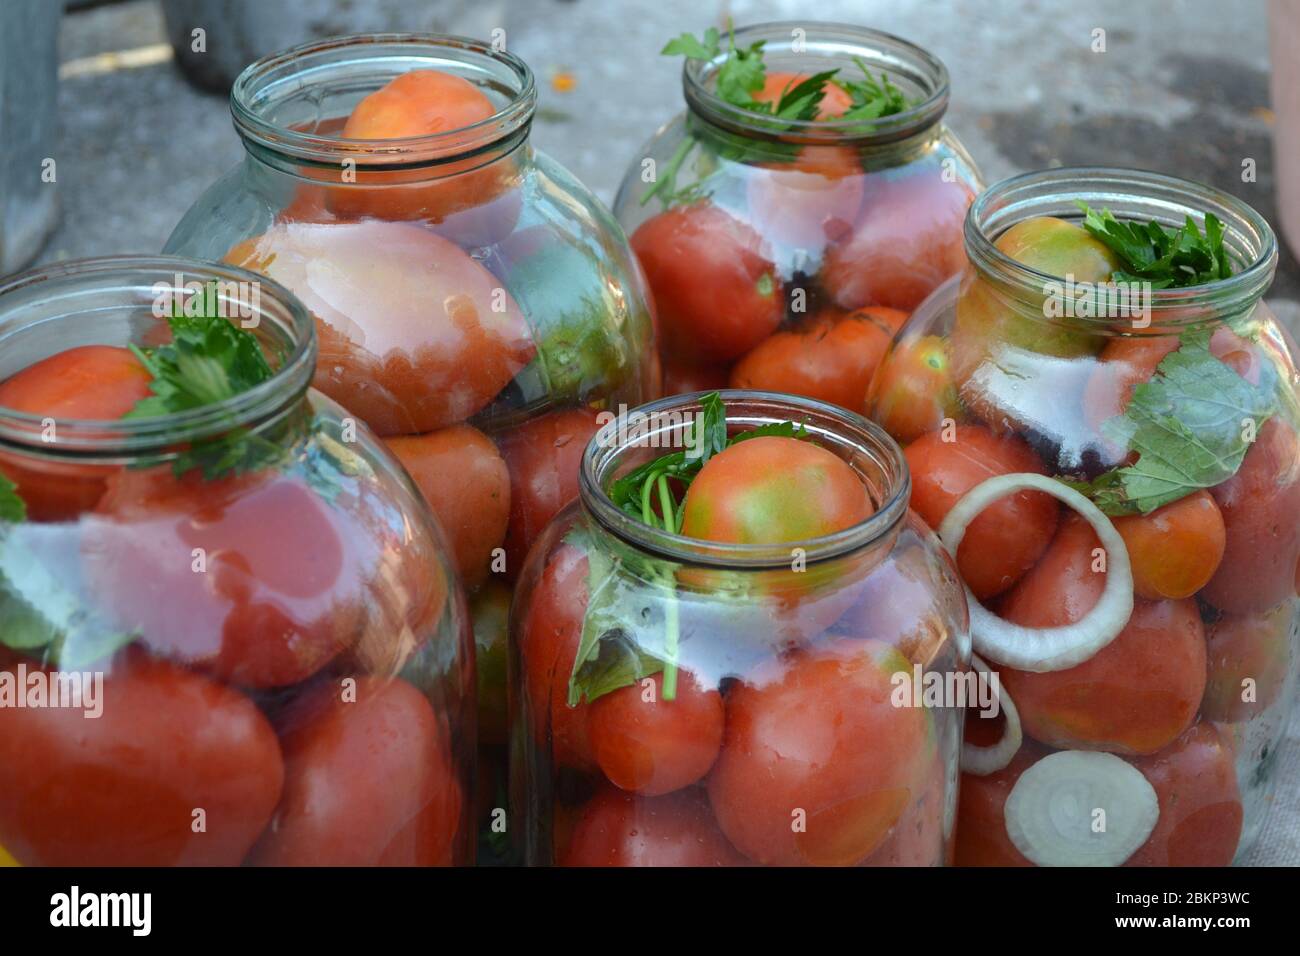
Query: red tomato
x: 981, y: 813
x: 771, y: 489
x: 370, y: 780
x: 817, y: 763
x: 1254, y: 647
x: 913, y: 392
x: 716, y: 291
x: 414, y: 334
x: 276, y: 592
x: 465, y: 480
x: 652, y: 746
x: 618, y: 829
x: 544, y: 456
x: 1176, y: 549
x: 1008, y: 536
x: 907, y: 242
x: 1133, y: 696
x: 917, y: 838
x: 1200, y: 807
x: 832, y: 359
x: 420, y: 103
x: 552, y: 630
x: 1261, y: 511
x: 122, y: 789
x: 95, y: 382
x: 809, y: 201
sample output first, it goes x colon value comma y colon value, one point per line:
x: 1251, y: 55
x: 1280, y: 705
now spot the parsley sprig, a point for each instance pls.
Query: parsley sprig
x: 1167, y: 258
x: 208, y: 361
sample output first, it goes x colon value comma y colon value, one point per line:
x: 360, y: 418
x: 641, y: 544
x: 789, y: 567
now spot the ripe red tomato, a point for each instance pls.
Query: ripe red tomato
x: 467, y: 484
x: 981, y: 813
x: 544, y: 457
x: 370, y: 780
x: 715, y: 288
x: 817, y: 763
x: 1137, y: 693
x: 1175, y: 550
x: 414, y: 104
x: 1195, y: 780
x: 95, y: 382
x: 917, y: 838
x: 1255, y: 647
x: 682, y: 379
x: 1261, y: 511
x: 831, y: 359
x: 1008, y: 536
x: 770, y: 489
x: 907, y: 242
x: 618, y: 829
x: 122, y: 789
x: 552, y: 630
x: 414, y: 334
x: 276, y: 592
x: 652, y: 746
x: 913, y: 392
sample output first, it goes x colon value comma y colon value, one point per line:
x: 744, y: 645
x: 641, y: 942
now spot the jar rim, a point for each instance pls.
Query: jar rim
x: 76, y: 278
x: 884, y: 51
x: 1148, y: 193
x: 601, y: 455
x: 265, y: 81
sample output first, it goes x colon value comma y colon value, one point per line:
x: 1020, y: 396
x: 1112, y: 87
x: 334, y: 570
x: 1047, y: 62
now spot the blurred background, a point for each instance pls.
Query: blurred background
x: 111, y: 124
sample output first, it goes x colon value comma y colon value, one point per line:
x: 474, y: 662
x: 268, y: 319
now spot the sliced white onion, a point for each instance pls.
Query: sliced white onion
x: 1041, y: 649
x: 1079, y: 808
x: 983, y: 761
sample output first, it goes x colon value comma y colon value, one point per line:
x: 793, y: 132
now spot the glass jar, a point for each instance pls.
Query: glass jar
x: 1146, y: 632
x: 784, y: 255
x: 227, y: 635
x: 788, y: 736
x: 475, y: 304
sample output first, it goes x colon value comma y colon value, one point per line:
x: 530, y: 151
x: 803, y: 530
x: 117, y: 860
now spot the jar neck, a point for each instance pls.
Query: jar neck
x: 289, y: 108
x: 629, y: 440
x: 122, y: 301
x: 805, y: 49
x: 1130, y: 194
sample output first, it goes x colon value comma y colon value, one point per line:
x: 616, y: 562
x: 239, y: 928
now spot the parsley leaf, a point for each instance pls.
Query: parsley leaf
x: 208, y: 361
x: 1168, y: 259
x: 686, y: 45
x: 1191, y: 426
x: 872, y: 98
x: 12, y: 507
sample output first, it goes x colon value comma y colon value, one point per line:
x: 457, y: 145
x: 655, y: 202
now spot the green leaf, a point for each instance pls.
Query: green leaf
x: 12, y: 507
x: 872, y: 98
x: 1168, y: 259
x: 686, y: 45
x: 40, y: 614
x: 208, y: 361
x: 1191, y: 426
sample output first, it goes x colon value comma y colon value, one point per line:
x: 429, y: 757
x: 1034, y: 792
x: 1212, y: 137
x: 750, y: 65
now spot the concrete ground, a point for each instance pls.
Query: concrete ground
x: 1182, y: 87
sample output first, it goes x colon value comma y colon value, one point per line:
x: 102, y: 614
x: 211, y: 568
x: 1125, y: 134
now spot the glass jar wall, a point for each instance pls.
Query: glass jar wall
x: 1119, y: 465
x: 229, y: 634
x: 684, y: 702
x: 784, y: 254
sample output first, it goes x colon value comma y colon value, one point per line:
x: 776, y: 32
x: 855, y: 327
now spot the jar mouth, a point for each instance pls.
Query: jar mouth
x: 286, y: 102
x: 660, y: 427
x: 921, y: 76
x: 1129, y: 194
x: 102, y: 301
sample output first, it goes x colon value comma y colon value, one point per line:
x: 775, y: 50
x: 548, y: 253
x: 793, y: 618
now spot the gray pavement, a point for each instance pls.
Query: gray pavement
x: 1182, y: 87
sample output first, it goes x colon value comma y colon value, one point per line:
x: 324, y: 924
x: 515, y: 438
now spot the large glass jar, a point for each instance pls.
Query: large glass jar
x: 785, y: 254
x: 460, y: 281
x: 230, y: 634
x: 792, y: 736
x: 1138, y: 587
